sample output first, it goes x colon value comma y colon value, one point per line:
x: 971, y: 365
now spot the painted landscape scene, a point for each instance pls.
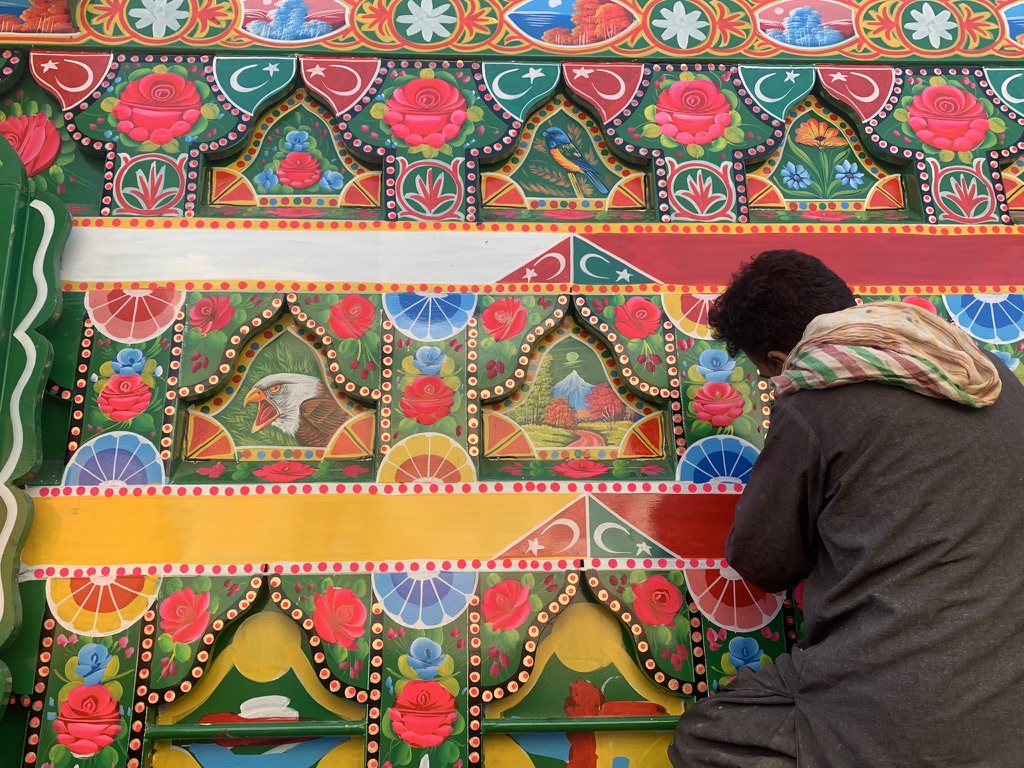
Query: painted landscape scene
x: 572, y: 403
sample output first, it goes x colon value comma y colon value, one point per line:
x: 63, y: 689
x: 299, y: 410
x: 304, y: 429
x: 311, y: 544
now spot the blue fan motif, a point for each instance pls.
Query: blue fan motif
x: 997, y: 318
x: 425, y: 599
x: 430, y: 316
x: 115, y: 459
x: 718, y: 459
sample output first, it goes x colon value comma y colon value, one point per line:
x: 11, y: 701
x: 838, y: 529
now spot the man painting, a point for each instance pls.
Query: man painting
x: 891, y: 480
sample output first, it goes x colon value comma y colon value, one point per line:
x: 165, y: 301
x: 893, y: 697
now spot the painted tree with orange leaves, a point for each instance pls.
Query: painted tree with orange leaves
x: 560, y: 414
x: 45, y: 16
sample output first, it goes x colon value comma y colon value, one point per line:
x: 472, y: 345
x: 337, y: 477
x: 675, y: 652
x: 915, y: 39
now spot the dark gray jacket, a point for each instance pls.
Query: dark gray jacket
x: 906, y: 516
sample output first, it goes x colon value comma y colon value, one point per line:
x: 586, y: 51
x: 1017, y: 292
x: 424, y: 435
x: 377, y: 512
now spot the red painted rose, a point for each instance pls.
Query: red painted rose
x: 211, y: 313
x: 352, y: 317
x: 718, y: 403
x: 423, y: 714
x: 581, y: 468
x: 947, y: 117
x: 427, y: 400
x: 504, y: 319
x: 656, y: 601
x: 159, y: 108
x: 917, y: 301
x: 427, y: 111
x: 693, y: 112
x: 638, y: 318
x: 34, y: 138
x: 506, y: 605
x: 124, y: 397
x: 88, y: 720
x: 184, y: 615
x: 299, y: 170
x: 339, y: 616
x: 284, y: 471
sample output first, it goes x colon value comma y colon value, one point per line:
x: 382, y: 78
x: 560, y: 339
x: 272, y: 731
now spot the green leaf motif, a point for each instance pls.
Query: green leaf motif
x: 734, y: 135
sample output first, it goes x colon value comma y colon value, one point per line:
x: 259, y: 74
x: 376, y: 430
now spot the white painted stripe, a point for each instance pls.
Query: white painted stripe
x: 115, y: 254
x: 24, y: 378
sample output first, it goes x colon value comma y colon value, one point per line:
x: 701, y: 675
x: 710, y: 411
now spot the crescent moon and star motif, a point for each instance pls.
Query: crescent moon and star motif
x: 519, y: 87
x: 865, y: 89
x: 340, y: 82
x: 777, y: 89
x: 608, y: 87
x: 70, y: 78
x: 250, y: 81
x: 1008, y: 85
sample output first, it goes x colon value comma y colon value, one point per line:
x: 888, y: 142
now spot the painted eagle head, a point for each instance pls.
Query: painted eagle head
x: 280, y: 397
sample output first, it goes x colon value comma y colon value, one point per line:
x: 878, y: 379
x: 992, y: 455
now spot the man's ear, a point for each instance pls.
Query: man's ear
x: 778, y: 357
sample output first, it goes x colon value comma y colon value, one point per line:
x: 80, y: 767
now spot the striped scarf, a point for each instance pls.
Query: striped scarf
x: 893, y: 343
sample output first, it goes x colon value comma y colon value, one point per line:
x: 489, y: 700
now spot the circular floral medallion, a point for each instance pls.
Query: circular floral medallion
x: 997, y: 318
x: 689, y: 312
x: 718, y: 459
x: 425, y: 599
x: 115, y: 459
x: 96, y: 606
x: 430, y: 316
x: 427, y: 458
x: 732, y: 603
x: 133, y: 315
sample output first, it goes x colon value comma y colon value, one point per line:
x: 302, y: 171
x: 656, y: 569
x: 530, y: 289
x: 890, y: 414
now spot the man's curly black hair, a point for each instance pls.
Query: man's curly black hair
x: 771, y: 300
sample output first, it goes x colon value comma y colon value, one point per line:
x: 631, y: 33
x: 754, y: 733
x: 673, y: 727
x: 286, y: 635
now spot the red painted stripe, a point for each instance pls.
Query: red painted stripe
x: 861, y: 259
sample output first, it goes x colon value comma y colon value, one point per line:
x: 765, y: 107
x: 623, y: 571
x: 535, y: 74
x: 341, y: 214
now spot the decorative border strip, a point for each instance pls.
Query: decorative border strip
x: 651, y: 227
x: 390, y: 489
x: 503, y: 288
x: 376, y: 566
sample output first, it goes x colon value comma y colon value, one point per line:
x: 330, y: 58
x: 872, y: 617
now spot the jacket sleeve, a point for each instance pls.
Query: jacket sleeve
x: 772, y: 541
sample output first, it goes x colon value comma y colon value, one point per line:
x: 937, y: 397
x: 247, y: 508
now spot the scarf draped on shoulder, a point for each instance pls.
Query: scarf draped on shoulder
x: 893, y: 343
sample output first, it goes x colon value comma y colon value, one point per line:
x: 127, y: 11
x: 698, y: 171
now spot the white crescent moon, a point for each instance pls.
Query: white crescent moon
x: 80, y: 88
x: 1003, y: 92
x: 571, y: 525
x: 611, y: 96
x: 559, y: 259
x: 238, y: 86
x: 875, y: 92
x: 346, y: 68
x: 760, y: 96
x: 599, y: 533
x: 496, y: 86
x: 588, y: 257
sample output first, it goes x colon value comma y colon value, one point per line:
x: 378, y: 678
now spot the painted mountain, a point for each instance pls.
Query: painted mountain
x: 575, y: 389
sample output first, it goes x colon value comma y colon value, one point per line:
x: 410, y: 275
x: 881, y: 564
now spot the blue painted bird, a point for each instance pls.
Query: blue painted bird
x: 569, y: 159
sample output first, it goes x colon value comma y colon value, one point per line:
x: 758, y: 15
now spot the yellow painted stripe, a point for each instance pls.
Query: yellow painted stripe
x: 89, y: 531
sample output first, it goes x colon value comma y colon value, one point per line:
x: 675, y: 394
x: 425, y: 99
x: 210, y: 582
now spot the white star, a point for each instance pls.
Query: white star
x: 681, y: 25
x: 316, y: 71
x: 529, y: 274
x: 271, y: 69
x: 49, y: 65
x: 533, y: 546
x: 838, y: 77
x: 583, y: 73
x: 643, y: 548
x: 164, y: 16
x: 791, y: 76
x: 623, y: 275
x: 426, y: 20
x: 533, y: 74
x: 935, y: 26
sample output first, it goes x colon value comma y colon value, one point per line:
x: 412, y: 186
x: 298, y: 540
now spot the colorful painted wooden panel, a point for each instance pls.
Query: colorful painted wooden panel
x: 384, y: 426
